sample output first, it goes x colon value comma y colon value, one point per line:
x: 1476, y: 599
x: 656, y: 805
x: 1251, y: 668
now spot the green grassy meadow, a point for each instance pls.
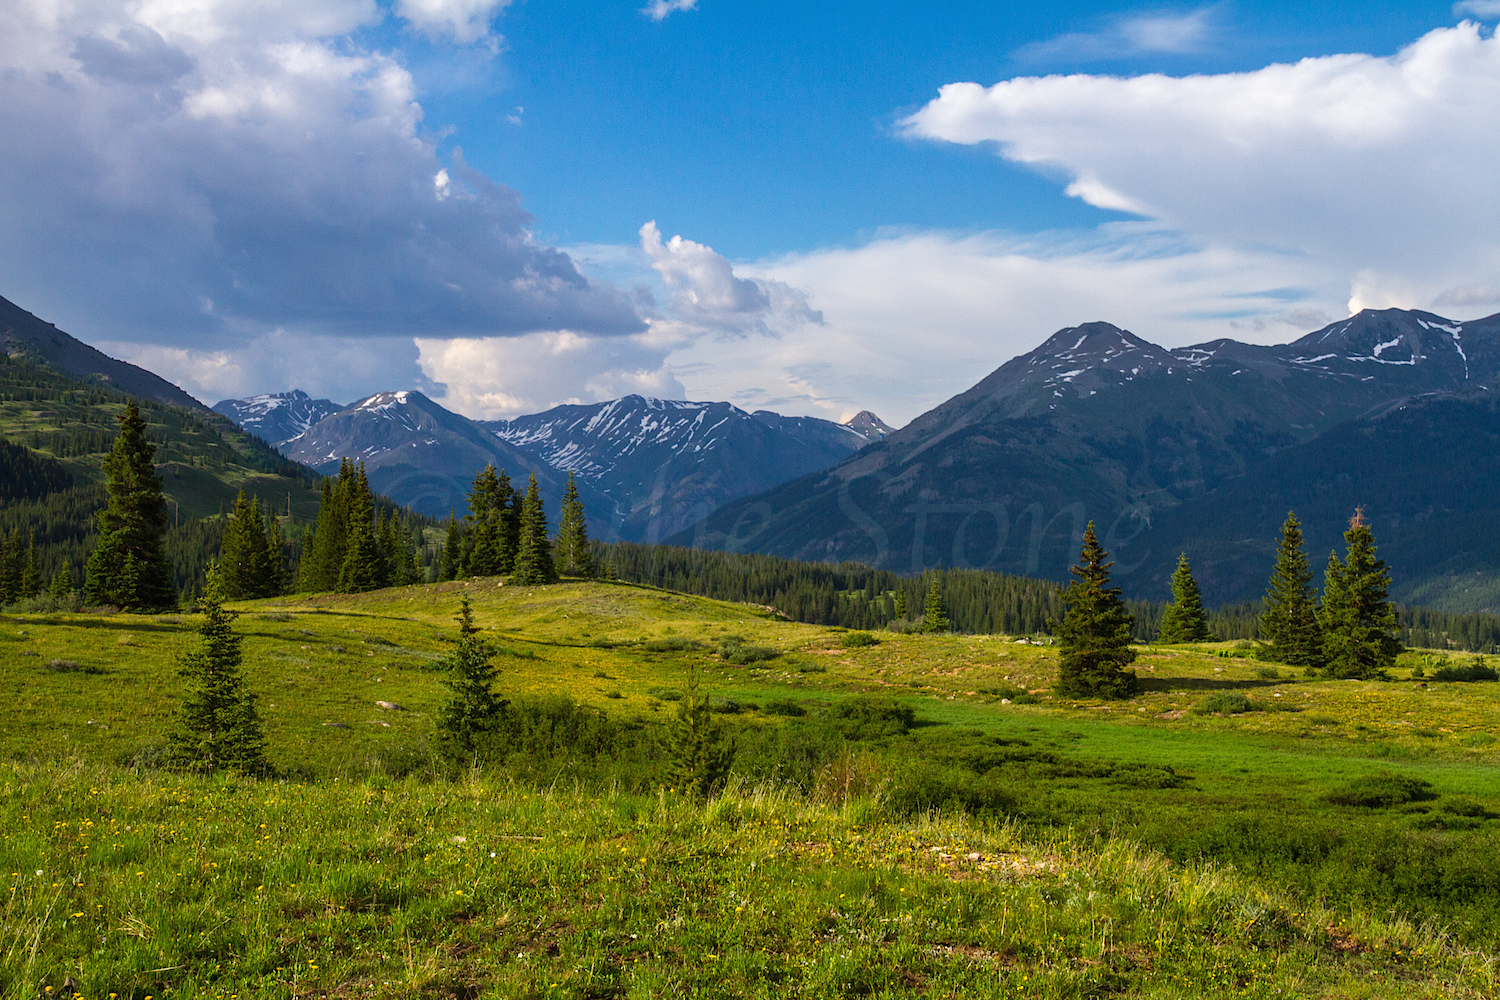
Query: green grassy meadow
x: 994, y: 848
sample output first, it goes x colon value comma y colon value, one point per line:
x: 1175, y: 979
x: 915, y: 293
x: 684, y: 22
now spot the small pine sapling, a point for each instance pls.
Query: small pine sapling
x: 217, y: 727
x: 697, y: 751
x: 473, y: 711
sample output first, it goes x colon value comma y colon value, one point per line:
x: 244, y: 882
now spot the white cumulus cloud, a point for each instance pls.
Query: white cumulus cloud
x: 706, y: 291
x: 1378, y: 167
x: 463, y: 21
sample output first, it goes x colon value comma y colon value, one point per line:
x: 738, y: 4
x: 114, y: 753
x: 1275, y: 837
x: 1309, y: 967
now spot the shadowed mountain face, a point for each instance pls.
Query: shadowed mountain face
x: 1099, y: 424
x: 277, y: 417
x: 665, y: 464
x: 23, y: 334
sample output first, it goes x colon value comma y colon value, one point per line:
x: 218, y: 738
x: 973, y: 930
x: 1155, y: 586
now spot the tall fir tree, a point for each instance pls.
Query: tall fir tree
x: 697, y: 753
x: 31, y: 575
x: 534, y: 555
x: 322, y: 561
x: 1290, y: 620
x: 248, y: 564
x: 61, y: 591
x: 1094, y: 634
x: 473, y: 711
x: 901, y: 609
x: 1359, y: 624
x: 452, y: 551
x: 934, y: 615
x: 1184, y: 620
x: 573, y: 555
x: 217, y: 727
x: 488, y: 551
x: 363, y: 568
x: 128, y: 567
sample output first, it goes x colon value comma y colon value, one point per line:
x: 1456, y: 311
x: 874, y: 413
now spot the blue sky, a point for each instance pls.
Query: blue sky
x: 804, y: 207
x: 769, y: 127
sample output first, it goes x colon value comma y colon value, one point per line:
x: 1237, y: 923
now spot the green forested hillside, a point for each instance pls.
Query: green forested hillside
x: 56, y: 429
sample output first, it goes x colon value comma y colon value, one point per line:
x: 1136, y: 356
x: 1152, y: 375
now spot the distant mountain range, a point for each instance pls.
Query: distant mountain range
x: 1158, y: 447
x: 1199, y: 449
x: 645, y: 468
x: 666, y: 464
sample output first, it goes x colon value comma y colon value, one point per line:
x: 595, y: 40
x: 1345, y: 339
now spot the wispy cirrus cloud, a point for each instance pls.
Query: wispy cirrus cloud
x: 1482, y: 9
x: 658, y: 10
x: 1127, y: 37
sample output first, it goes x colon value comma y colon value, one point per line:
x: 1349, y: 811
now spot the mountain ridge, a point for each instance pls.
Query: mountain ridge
x: 24, y: 334
x: 1097, y: 423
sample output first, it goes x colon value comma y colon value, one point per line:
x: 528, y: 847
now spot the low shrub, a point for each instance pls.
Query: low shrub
x: 857, y: 640
x: 1227, y: 703
x: 785, y: 707
x: 865, y: 717
x: 670, y: 644
x: 1382, y: 791
x: 1476, y: 671
x: 665, y: 693
x: 732, y: 649
x: 1268, y: 673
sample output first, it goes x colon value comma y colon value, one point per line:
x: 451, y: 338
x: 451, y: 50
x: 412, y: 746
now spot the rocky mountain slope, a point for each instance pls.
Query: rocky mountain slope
x: 1100, y: 424
x: 665, y: 464
x: 24, y: 335
x: 277, y: 417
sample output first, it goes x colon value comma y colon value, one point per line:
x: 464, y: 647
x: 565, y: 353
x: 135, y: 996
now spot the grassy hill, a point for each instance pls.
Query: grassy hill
x: 917, y: 817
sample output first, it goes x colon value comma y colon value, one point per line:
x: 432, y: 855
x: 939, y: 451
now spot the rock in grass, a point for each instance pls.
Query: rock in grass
x: 336, y: 725
x: 389, y: 706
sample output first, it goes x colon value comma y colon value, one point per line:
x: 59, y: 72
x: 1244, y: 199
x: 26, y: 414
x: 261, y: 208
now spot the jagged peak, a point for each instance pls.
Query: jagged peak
x: 866, y: 423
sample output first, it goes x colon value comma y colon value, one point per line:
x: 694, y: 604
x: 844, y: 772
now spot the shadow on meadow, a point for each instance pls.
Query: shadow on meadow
x: 1158, y: 683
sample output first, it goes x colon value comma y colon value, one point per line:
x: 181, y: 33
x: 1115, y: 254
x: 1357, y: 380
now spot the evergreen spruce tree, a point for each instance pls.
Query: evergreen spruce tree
x: 489, y: 549
x: 217, y: 727
x: 405, y: 570
x: 128, y: 567
x: 697, y: 753
x: 247, y: 565
x: 534, y: 556
x: 473, y: 711
x: 1184, y: 620
x: 1290, y: 620
x: 61, y: 591
x: 31, y: 575
x: 452, y: 551
x: 573, y: 555
x: 322, y: 563
x: 901, y: 602
x: 1094, y: 634
x: 363, y: 567
x: 1359, y: 624
x: 276, y: 567
x: 935, y: 616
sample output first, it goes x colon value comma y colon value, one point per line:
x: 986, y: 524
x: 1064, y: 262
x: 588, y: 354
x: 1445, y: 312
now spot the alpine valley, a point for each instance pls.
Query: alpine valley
x: 1200, y: 450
